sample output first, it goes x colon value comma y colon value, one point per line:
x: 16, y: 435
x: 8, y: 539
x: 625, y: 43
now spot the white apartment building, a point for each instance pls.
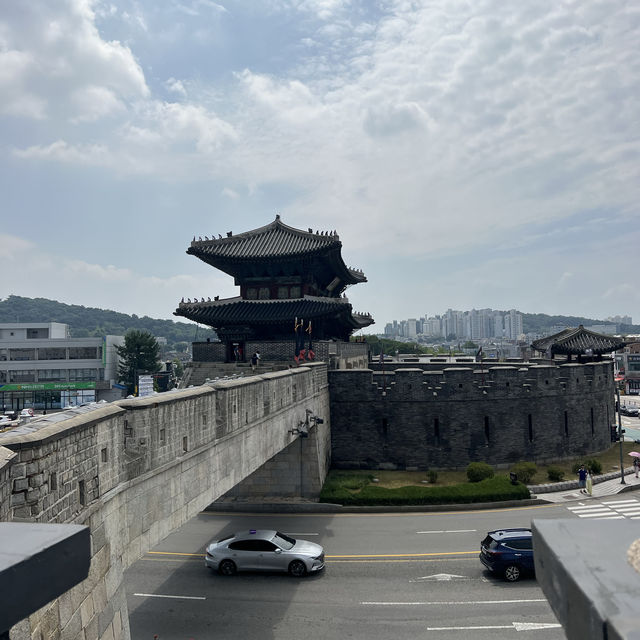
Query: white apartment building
x: 42, y: 367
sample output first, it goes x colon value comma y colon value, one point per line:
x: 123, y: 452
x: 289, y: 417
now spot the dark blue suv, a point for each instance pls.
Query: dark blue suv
x: 508, y: 552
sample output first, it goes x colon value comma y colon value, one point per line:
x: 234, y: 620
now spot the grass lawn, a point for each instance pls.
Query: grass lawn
x: 610, y: 461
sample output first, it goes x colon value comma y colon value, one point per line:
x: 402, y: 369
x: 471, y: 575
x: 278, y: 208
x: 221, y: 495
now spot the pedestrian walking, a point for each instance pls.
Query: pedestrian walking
x: 636, y: 465
x: 589, y: 483
x: 254, y: 361
x: 582, y: 479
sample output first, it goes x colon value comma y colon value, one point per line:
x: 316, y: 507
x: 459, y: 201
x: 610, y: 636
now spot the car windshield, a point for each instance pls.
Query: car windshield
x: 285, y: 542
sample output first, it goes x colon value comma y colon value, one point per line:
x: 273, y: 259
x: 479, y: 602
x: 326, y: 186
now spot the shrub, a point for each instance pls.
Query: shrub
x: 593, y: 465
x: 555, y: 474
x: 433, y: 476
x: 488, y: 490
x: 478, y: 471
x: 575, y: 467
x: 525, y: 471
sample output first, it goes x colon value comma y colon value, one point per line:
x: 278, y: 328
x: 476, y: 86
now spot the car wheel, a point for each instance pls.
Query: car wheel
x: 227, y: 567
x: 297, y: 568
x: 512, y: 573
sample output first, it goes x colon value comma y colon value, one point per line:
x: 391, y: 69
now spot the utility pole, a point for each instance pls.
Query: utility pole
x: 620, y: 434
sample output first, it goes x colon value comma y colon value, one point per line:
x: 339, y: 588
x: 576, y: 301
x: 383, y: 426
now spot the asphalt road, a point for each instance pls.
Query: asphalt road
x: 387, y: 576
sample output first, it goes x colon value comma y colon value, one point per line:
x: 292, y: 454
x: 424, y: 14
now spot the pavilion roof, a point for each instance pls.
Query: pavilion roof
x: 271, y: 242
x: 578, y: 341
x: 231, y: 311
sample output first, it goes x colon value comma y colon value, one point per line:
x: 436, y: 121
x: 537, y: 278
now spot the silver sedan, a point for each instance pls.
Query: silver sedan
x: 264, y: 550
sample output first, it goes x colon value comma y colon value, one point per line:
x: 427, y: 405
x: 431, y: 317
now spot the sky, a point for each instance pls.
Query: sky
x: 470, y: 154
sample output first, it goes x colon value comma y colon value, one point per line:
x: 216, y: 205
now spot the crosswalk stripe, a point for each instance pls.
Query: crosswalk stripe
x: 600, y: 514
x: 620, y: 502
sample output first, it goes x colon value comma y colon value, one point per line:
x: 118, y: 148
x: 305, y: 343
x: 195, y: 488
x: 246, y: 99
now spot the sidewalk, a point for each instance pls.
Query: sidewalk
x: 607, y: 485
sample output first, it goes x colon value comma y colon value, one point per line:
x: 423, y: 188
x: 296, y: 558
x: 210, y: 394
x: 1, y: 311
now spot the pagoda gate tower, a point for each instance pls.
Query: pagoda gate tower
x: 292, y: 285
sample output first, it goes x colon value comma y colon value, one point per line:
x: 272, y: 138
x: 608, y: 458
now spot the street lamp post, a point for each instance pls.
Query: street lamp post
x: 620, y: 435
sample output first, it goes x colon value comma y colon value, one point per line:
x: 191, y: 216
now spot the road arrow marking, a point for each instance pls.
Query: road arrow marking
x: 518, y: 626
x: 443, y: 577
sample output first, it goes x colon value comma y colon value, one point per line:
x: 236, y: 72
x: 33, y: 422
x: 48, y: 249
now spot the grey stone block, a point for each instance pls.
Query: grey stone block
x: 585, y: 570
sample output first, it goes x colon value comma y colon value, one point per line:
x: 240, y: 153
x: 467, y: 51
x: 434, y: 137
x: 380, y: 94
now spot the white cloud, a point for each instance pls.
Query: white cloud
x: 176, y: 86
x: 54, y: 59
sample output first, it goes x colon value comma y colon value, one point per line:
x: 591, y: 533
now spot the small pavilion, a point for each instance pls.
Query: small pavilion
x: 585, y: 345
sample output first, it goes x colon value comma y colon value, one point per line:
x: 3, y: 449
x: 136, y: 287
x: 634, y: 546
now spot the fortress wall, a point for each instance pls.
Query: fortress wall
x: 137, y: 469
x: 412, y: 418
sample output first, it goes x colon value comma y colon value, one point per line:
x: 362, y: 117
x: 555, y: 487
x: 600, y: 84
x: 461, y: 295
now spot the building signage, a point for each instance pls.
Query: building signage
x: 145, y: 385
x: 47, y: 386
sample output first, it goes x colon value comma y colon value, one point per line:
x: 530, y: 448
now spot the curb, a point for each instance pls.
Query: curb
x: 324, y: 507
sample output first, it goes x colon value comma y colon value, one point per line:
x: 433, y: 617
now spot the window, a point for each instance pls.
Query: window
x: 20, y: 355
x: 52, y: 353
x: 252, y: 293
x: 52, y: 375
x: 28, y: 375
x: 185, y: 444
x: 82, y: 375
x: 162, y: 435
x: 295, y: 292
x: 103, y: 455
x: 82, y: 493
x: 566, y: 424
x: 283, y: 292
x: 53, y: 481
x: 593, y: 430
x: 82, y: 353
x: 264, y: 293
x: 530, y: 418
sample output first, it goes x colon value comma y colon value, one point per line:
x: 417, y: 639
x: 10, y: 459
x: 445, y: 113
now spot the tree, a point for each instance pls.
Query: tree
x: 138, y: 354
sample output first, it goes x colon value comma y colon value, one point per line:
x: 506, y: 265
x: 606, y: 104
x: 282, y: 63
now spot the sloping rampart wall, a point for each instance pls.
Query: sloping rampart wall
x: 135, y: 470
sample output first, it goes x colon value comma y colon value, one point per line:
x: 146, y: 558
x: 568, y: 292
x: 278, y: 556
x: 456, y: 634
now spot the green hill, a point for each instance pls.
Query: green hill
x: 88, y: 321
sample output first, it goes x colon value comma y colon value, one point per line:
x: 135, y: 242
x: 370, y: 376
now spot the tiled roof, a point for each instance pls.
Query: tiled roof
x: 251, y: 312
x: 578, y: 341
x: 274, y: 240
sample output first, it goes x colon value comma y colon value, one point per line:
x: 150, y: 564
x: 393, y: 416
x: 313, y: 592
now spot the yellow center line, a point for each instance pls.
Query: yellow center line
x: 335, y: 557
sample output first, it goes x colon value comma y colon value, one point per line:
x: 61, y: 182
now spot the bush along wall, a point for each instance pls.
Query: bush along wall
x: 493, y: 489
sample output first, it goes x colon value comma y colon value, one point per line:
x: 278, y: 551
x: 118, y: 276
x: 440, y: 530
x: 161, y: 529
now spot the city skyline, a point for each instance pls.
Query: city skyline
x: 469, y: 153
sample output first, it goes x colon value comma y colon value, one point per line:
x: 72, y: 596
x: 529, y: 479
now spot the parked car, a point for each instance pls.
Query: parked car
x: 27, y: 413
x: 508, y: 552
x: 630, y: 411
x: 5, y: 421
x: 264, y: 550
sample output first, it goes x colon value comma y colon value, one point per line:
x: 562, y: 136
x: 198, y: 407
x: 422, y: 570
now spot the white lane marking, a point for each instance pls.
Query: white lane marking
x: 620, y: 502
x: 451, y: 531
x: 599, y: 514
x: 157, y: 595
x: 612, y: 518
x: 302, y: 534
x: 456, y: 602
x: 518, y: 626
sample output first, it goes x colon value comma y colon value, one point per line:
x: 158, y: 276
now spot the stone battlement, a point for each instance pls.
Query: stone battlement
x: 416, y: 418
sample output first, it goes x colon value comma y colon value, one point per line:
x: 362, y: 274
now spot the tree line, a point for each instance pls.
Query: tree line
x: 87, y: 322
